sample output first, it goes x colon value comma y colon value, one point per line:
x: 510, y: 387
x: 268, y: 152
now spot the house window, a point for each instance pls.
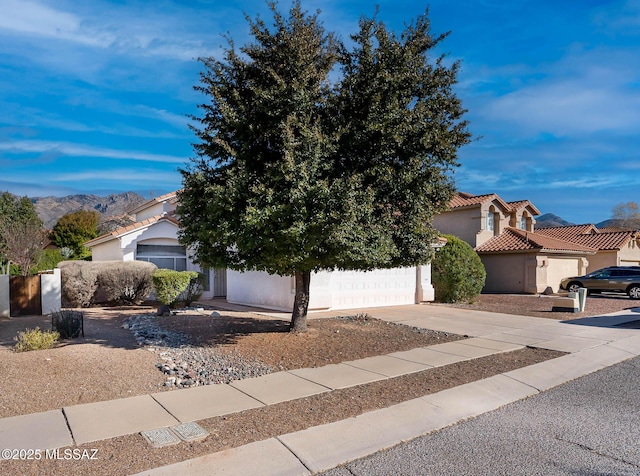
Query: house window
x: 523, y: 223
x: 490, y: 223
x: 163, y: 256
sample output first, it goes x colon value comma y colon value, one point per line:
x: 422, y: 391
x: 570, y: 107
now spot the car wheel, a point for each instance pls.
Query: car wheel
x: 573, y: 287
x: 634, y: 292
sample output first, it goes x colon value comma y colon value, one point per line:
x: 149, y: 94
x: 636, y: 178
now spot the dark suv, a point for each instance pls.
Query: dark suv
x: 624, y: 279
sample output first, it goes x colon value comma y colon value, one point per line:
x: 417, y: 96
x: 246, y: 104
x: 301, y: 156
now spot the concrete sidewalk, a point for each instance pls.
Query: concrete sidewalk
x: 592, y: 344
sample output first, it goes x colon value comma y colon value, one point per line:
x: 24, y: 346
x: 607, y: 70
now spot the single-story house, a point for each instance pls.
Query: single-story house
x: 154, y: 237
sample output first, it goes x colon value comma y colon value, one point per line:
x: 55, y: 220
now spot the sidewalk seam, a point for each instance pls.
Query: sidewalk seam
x: 66, y: 421
x: 164, y: 408
x: 293, y: 453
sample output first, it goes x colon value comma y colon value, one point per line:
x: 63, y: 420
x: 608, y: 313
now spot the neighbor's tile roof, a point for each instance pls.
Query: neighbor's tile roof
x: 514, y: 240
x: 606, y: 241
x: 463, y: 199
x: 134, y: 226
x: 567, y: 232
x: 520, y: 204
x: 589, y: 235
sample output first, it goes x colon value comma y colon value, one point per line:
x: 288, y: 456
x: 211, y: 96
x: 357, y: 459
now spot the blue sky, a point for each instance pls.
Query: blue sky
x: 94, y: 95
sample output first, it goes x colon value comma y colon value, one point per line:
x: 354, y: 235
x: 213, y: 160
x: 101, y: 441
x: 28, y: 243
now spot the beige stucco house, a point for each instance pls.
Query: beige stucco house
x: 517, y: 259
x: 154, y: 237
x: 478, y: 218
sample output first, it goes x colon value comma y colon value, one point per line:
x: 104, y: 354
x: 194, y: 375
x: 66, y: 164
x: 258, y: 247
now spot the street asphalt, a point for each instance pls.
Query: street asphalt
x: 587, y: 427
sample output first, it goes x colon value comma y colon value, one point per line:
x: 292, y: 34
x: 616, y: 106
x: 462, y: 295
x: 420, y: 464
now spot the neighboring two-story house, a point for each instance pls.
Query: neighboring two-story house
x: 154, y: 237
x: 516, y: 258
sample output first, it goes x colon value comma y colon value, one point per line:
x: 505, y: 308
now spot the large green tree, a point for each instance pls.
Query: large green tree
x: 312, y: 155
x: 74, y: 229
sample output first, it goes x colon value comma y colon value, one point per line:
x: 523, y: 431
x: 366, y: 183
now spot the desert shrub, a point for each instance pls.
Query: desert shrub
x: 68, y: 323
x: 457, y: 273
x: 194, y: 289
x: 35, y: 339
x: 79, y: 283
x: 122, y: 282
x: 170, y: 284
x: 125, y: 282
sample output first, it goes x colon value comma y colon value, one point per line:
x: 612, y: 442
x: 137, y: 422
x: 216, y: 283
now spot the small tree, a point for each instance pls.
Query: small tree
x: 297, y: 174
x: 74, y: 229
x: 457, y: 272
x: 626, y: 216
x: 22, y: 243
x: 21, y: 233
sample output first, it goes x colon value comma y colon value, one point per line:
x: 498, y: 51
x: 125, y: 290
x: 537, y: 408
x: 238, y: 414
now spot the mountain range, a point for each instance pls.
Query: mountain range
x: 549, y: 220
x: 50, y: 209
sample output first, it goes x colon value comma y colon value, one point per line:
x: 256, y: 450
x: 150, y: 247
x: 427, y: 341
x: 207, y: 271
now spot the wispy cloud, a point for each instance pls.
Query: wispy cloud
x: 80, y: 150
x: 115, y: 27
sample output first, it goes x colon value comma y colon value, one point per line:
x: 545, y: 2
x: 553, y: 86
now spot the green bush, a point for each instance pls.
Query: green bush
x: 35, y: 339
x: 49, y: 260
x: 193, y: 291
x: 170, y: 284
x: 457, y: 273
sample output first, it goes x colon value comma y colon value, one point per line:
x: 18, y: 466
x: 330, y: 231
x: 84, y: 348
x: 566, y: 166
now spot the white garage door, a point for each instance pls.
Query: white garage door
x: 384, y: 287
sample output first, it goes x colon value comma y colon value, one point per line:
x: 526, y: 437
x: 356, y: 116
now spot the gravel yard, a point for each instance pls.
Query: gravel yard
x: 127, y: 352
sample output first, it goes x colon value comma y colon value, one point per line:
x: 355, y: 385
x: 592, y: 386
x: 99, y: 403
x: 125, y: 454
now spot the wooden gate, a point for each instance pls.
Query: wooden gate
x: 25, y: 299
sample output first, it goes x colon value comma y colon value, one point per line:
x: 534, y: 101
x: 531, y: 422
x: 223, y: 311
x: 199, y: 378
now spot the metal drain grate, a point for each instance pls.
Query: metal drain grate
x: 160, y: 437
x: 190, y: 431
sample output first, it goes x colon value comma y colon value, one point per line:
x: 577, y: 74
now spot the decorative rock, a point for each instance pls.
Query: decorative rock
x: 163, y: 311
x: 187, y: 365
x: 215, y: 314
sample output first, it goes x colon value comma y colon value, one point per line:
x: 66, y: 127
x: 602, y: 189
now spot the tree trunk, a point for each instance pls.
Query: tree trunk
x: 301, y: 302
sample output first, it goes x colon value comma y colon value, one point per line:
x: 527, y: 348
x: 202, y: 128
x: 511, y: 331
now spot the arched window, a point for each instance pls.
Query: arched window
x: 490, y: 221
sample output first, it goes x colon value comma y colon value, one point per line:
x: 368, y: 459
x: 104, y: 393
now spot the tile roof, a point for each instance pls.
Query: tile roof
x: 566, y: 232
x: 589, y: 235
x: 606, y: 241
x: 134, y: 226
x: 463, y: 199
x: 514, y: 240
x: 520, y: 204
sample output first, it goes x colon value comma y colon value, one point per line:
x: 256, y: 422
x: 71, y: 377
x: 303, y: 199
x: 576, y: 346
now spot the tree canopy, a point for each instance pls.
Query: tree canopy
x: 21, y: 233
x: 317, y: 155
x: 626, y: 216
x: 74, y: 229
